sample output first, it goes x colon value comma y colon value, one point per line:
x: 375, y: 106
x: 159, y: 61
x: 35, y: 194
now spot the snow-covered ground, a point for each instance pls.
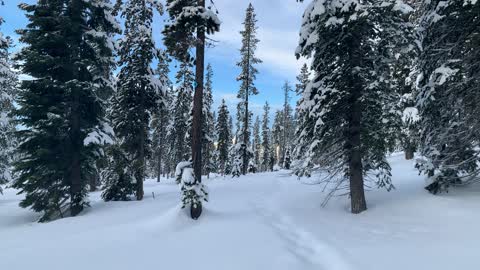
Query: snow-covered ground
x: 262, y: 221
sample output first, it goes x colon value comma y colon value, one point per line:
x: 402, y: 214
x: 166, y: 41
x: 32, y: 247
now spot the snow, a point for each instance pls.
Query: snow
x: 261, y: 221
x: 443, y: 73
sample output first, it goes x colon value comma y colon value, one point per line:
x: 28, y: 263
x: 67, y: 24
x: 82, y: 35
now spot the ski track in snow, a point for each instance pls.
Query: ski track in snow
x: 299, y: 242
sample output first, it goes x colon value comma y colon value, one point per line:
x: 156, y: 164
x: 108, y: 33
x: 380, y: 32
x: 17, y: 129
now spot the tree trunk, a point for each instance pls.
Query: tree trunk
x: 160, y: 153
x: 93, y: 183
x: 409, y: 152
x: 198, y: 103
x: 140, y: 162
x: 245, y: 137
x: 357, y: 192
x: 75, y: 174
x: 159, y: 165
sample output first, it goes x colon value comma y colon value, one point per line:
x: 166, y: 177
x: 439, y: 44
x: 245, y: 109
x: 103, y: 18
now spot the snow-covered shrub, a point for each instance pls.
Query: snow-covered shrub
x: 193, y: 191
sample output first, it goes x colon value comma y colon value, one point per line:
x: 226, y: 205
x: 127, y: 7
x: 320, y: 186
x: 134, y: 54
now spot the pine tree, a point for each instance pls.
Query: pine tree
x: 247, y: 78
x: 224, y: 141
x: 70, y: 53
x: 448, y: 92
x: 139, y: 93
x: 303, y: 80
x: 287, y: 160
x: 277, y: 136
x: 351, y: 106
x: 118, y: 177
x: 208, y: 126
x: 266, y: 138
x: 190, y: 21
x: 231, y: 154
x: 181, y: 120
x: 288, y: 125
x: 8, y: 91
x: 160, y: 119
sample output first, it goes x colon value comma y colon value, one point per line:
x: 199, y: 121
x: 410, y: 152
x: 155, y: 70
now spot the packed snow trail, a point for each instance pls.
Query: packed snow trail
x: 314, y: 254
x: 255, y: 222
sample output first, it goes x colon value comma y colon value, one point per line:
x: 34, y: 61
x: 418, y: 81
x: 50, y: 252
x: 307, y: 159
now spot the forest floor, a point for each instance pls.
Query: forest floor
x: 262, y: 221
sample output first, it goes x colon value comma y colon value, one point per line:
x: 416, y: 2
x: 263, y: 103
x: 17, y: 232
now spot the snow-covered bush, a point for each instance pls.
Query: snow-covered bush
x: 193, y: 192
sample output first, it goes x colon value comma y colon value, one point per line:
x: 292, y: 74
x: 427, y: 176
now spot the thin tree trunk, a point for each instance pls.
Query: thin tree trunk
x: 75, y: 173
x: 245, y: 137
x: 93, y: 183
x: 159, y: 165
x: 409, y: 152
x: 198, y: 103
x: 140, y: 166
x: 357, y: 192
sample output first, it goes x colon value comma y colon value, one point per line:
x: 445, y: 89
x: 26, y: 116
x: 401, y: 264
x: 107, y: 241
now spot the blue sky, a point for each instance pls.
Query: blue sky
x: 278, y: 22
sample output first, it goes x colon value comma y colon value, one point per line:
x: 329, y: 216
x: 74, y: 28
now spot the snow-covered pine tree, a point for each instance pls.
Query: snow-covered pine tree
x: 247, y: 78
x: 256, y: 143
x: 287, y: 160
x: 351, y: 103
x: 229, y: 163
x: 118, y: 175
x: 208, y: 126
x: 214, y: 165
x: 193, y: 193
x: 8, y: 91
x: 277, y: 136
x: 190, y: 21
x: 288, y: 125
x: 181, y: 120
x: 448, y: 92
x: 265, y: 158
x: 224, y: 140
x: 139, y: 92
x: 303, y: 79
x: 69, y: 52
x: 161, y: 119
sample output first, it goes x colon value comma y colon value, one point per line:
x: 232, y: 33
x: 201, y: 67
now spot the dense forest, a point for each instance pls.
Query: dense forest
x: 102, y: 111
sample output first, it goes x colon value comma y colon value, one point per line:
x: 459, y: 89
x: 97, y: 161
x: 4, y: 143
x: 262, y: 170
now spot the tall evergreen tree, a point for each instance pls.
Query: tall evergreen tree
x: 288, y: 125
x: 190, y: 21
x: 181, y: 120
x: 160, y: 119
x: 69, y: 52
x: 303, y: 79
x: 224, y: 141
x: 277, y: 136
x: 448, y: 95
x: 8, y: 91
x: 208, y: 126
x: 247, y: 78
x: 266, y: 147
x: 139, y: 93
x: 350, y: 101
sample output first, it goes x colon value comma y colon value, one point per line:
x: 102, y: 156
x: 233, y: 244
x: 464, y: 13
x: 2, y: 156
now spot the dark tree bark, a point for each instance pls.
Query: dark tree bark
x: 409, y: 152
x: 93, y: 183
x: 140, y: 167
x: 198, y: 102
x: 357, y: 192
x: 75, y: 173
x: 159, y: 165
x: 76, y: 143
